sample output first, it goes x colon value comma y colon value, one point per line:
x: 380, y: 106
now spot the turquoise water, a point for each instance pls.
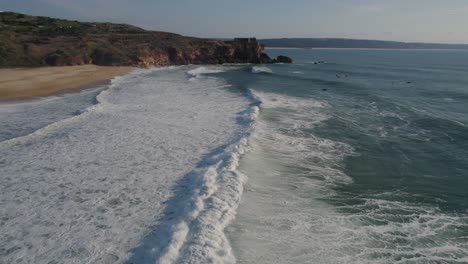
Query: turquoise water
x: 359, y: 156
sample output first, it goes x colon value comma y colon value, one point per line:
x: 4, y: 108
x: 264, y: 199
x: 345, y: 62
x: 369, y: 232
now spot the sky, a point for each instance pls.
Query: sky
x: 441, y: 21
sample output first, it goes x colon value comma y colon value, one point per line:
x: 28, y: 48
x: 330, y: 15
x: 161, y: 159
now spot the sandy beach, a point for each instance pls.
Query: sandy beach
x: 23, y: 83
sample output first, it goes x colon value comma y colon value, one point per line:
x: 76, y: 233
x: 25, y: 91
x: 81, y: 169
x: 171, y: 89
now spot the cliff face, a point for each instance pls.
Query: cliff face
x: 39, y: 41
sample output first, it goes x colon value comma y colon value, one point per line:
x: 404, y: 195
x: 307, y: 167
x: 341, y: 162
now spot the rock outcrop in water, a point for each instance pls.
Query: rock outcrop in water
x: 283, y: 59
x: 40, y: 41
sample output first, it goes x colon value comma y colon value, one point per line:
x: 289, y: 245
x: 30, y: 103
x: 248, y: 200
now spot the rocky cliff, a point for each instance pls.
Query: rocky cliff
x: 39, y: 41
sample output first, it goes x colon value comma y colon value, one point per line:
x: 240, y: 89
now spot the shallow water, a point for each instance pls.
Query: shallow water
x: 126, y: 178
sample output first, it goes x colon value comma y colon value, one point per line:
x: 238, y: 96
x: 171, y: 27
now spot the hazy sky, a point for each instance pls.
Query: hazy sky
x: 405, y: 20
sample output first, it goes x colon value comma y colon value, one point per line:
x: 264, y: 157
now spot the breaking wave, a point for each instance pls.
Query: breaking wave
x: 197, y: 72
x: 154, y: 157
x: 204, y: 203
x: 261, y: 70
x: 292, y: 212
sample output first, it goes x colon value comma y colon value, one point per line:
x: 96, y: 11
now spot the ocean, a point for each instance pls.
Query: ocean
x: 344, y: 156
x: 359, y: 156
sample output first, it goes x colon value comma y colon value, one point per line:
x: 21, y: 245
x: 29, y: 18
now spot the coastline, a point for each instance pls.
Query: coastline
x: 330, y: 48
x: 26, y: 83
x: 184, y: 152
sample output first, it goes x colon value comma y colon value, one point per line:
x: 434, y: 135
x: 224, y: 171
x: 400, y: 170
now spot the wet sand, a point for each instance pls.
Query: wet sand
x: 24, y: 83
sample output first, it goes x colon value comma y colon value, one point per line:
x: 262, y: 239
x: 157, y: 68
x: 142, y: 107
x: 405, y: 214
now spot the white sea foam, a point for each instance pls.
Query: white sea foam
x: 386, y: 231
x: 292, y: 225
x: 283, y: 217
x: 298, y: 104
x: 261, y: 69
x: 198, y: 235
x: 318, y: 156
x: 287, y: 168
x: 155, y: 158
x: 206, y: 70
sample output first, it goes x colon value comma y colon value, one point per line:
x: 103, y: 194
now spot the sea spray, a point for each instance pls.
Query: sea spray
x: 68, y: 190
x: 198, y: 231
x: 375, y: 176
x: 261, y: 70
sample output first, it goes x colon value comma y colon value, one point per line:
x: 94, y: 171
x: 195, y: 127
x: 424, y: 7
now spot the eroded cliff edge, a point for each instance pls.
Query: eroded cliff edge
x: 27, y: 41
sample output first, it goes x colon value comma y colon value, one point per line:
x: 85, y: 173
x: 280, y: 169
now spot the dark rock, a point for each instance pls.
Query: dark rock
x: 55, y: 58
x: 283, y: 59
x: 264, y: 58
x: 247, y: 50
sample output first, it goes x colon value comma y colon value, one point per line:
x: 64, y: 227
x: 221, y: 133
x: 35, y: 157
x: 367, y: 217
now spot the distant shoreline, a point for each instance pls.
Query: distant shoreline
x: 313, y: 48
x: 343, y: 43
x: 27, y: 83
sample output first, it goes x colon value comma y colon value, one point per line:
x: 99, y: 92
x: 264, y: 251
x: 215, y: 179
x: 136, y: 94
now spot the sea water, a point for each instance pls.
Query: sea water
x: 344, y: 156
x: 141, y: 171
x: 358, y: 156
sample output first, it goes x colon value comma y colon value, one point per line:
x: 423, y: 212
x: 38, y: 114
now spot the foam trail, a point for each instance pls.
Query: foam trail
x: 261, y: 70
x: 25, y: 117
x: 195, y: 233
x: 197, y: 72
x: 292, y: 213
x: 70, y: 189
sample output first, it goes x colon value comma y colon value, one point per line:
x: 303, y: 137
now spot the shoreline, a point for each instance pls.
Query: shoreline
x: 314, y: 48
x: 28, y: 83
x: 192, y: 146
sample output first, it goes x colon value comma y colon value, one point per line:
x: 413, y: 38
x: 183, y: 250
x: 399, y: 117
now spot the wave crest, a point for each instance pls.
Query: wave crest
x: 197, y: 72
x: 261, y: 70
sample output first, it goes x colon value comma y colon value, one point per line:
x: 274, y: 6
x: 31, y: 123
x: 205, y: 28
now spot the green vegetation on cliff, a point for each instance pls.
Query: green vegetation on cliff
x: 27, y: 41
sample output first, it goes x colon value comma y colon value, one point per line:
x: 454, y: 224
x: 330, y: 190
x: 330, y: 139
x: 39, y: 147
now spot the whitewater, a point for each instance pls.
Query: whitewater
x: 146, y: 174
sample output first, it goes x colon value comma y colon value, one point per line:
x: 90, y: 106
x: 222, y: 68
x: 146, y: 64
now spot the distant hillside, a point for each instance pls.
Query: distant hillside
x: 27, y: 41
x: 353, y: 43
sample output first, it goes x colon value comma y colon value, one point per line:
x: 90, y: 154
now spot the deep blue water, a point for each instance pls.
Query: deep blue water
x: 377, y: 137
